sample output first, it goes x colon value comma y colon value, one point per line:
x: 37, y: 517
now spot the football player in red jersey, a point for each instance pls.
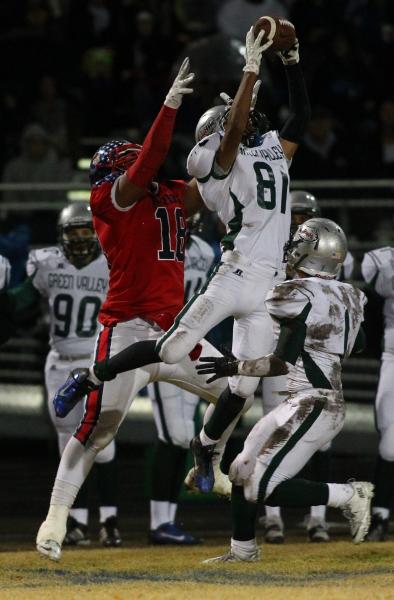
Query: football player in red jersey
x: 141, y: 227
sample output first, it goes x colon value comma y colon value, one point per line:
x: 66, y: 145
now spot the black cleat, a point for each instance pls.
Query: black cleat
x: 109, y: 535
x: 378, y: 530
x: 77, y: 533
x: 204, y: 477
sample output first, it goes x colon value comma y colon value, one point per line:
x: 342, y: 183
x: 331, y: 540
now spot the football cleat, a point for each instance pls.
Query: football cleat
x: 379, y: 529
x: 273, y: 530
x: 77, y: 534
x: 72, y: 391
x: 230, y: 556
x: 109, y: 535
x: 317, y: 530
x: 222, y: 485
x: 170, y: 533
x: 49, y: 549
x: 204, y: 477
x: 50, y: 537
x: 358, y: 509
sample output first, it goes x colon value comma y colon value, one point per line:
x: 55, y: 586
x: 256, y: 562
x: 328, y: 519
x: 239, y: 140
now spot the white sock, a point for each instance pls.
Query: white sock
x: 74, y: 466
x: 106, y: 512
x: 339, y: 494
x: 80, y: 514
x: 205, y: 440
x: 272, y: 511
x: 244, y: 549
x: 93, y: 377
x: 319, y: 512
x: 380, y: 510
x: 159, y: 513
x: 172, y: 512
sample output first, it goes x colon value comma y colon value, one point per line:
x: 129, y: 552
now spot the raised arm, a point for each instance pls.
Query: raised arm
x: 238, y: 116
x: 299, y: 107
x: 133, y: 184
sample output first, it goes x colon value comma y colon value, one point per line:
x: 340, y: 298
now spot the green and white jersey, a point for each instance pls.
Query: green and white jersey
x: 331, y: 312
x: 5, y: 272
x: 378, y: 271
x: 252, y: 200
x: 199, y: 257
x: 74, y: 297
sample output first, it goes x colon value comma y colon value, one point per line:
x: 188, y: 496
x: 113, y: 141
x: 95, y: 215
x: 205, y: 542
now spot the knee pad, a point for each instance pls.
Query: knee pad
x: 243, y: 386
x: 386, y: 444
x: 106, y: 454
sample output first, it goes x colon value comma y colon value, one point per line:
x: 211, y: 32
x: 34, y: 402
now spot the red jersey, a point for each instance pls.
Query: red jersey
x: 144, y: 246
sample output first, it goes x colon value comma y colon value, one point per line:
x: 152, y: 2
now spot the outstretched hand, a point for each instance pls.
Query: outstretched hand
x: 220, y: 366
x: 254, y: 51
x: 291, y: 56
x: 180, y: 86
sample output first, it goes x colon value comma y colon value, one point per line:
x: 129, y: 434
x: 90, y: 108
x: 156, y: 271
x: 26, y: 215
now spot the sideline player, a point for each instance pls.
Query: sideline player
x: 141, y: 227
x: 73, y: 278
x: 378, y: 271
x: 304, y: 206
x: 174, y: 410
x: 242, y: 173
x: 317, y: 320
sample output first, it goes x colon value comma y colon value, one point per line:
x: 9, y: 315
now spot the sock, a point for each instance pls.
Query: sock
x: 243, y: 515
x: 172, y: 511
x: 243, y: 548
x: 272, y: 511
x: 107, y: 482
x: 319, y: 512
x: 106, y: 512
x: 159, y: 513
x: 80, y: 515
x: 137, y: 355
x: 298, y: 493
x: 205, y: 440
x: 381, y: 511
x: 179, y: 472
x: 74, y: 466
x: 384, y: 482
x: 227, y: 407
x: 320, y: 466
x: 339, y: 494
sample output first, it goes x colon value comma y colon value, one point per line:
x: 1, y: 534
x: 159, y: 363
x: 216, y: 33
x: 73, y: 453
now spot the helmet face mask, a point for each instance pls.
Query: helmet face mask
x: 114, y: 156
x: 318, y: 248
x: 76, y: 234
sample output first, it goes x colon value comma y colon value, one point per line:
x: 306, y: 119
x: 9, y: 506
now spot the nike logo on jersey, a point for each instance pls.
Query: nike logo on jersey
x: 238, y: 272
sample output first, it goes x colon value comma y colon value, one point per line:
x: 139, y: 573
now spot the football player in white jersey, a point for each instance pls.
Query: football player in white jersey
x: 242, y: 172
x: 73, y: 278
x: 378, y: 271
x: 174, y: 410
x: 5, y: 272
x: 304, y: 206
x: 317, y: 321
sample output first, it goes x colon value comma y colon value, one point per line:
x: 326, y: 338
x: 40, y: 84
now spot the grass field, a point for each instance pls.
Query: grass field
x: 296, y: 570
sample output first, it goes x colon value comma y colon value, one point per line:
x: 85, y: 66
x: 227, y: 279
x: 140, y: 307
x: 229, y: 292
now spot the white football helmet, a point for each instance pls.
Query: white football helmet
x: 210, y: 122
x: 318, y: 248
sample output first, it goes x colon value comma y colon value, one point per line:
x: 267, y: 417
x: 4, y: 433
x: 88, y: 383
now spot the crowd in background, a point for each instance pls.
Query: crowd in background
x: 75, y: 73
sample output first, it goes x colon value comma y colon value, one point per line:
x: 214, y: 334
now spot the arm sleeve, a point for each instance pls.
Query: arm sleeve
x: 154, y: 149
x: 299, y: 106
x: 378, y: 272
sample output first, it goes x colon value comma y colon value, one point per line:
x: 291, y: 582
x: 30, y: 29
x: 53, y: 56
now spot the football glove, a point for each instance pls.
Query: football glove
x: 180, y: 86
x: 291, y: 56
x: 220, y: 366
x: 254, y: 51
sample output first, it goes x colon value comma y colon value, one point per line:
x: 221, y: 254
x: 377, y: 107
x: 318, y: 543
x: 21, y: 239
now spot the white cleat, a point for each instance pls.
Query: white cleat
x: 358, y: 509
x: 222, y: 485
x: 230, y: 556
x: 50, y: 549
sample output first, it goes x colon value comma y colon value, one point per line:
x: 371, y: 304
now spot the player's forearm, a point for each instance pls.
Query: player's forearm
x: 236, y: 122
x: 299, y: 106
x: 154, y: 149
x: 266, y: 366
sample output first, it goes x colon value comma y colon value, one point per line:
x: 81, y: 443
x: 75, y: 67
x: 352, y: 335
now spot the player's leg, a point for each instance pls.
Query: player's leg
x: 384, y: 469
x: 105, y: 409
x: 108, y: 495
x: 173, y: 411
x: 316, y: 526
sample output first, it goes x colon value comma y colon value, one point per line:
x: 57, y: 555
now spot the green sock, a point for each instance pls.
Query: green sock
x: 244, y: 515
x: 298, y: 493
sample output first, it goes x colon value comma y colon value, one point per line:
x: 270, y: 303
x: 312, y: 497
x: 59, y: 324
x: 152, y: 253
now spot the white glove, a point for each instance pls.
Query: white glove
x: 290, y: 56
x: 254, y: 51
x: 180, y: 86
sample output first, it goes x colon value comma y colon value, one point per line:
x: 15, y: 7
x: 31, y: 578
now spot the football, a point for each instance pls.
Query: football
x: 281, y: 31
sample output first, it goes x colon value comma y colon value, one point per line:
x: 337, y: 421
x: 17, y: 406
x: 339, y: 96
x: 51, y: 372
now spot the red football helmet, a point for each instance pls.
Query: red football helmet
x: 114, y: 156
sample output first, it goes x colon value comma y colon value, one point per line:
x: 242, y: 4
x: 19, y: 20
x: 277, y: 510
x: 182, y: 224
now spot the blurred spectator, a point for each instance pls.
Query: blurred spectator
x: 236, y: 16
x: 38, y: 162
x: 323, y: 153
x: 49, y: 110
x: 386, y: 115
x: 99, y: 91
x: 14, y: 245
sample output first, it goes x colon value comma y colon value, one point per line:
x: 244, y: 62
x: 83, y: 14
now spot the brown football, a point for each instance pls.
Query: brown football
x: 281, y: 31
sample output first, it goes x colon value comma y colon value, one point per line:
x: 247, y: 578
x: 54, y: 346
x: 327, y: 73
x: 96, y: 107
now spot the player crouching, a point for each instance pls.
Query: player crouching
x: 317, y: 321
